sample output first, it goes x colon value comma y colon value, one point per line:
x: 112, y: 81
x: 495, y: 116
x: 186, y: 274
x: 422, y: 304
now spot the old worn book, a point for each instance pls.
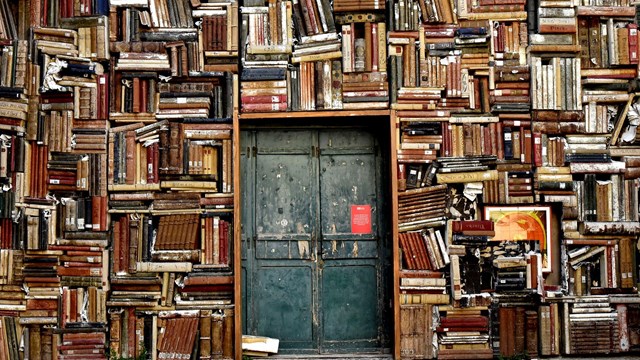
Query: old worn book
x: 471, y: 176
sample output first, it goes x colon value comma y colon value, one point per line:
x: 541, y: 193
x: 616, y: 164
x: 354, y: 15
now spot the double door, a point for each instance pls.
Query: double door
x: 315, y: 257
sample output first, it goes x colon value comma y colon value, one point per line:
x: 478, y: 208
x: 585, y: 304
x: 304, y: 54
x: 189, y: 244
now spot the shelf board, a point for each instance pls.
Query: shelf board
x: 312, y: 114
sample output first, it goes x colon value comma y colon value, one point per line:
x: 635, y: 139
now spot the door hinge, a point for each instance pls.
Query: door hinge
x: 315, y: 151
x: 255, y: 151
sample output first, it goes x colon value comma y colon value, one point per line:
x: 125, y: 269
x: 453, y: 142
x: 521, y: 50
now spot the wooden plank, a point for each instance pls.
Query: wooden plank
x: 305, y: 115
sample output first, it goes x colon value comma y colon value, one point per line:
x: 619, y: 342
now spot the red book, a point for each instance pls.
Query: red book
x: 633, y: 43
x: 103, y: 81
x: 527, y: 146
x: 79, y: 271
x: 207, y: 288
x: 103, y: 213
x: 156, y: 162
x: 458, y: 226
x: 150, y: 165
x: 409, y: 261
x: 486, y: 142
x: 144, y: 95
x: 124, y: 243
x: 73, y: 305
x: 537, y: 149
x: 62, y: 181
x: 499, y: 141
x: 131, y: 336
x: 308, y: 5
x: 95, y: 213
x: 263, y: 99
x: 464, y: 321
x: 207, y: 280
x: 264, y: 107
x: 39, y: 304
x: 137, y: 95
x: 117, y: 232
x: 64, y: 316
x: 80, y: 346
x: 83, y: 338
x: 224, y: 242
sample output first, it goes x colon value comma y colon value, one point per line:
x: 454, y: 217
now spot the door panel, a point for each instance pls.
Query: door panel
x: 347, y: 305
x: 284, y: 206
x: 283, y: 195
x: 347, y: 177
x: 286, y: 310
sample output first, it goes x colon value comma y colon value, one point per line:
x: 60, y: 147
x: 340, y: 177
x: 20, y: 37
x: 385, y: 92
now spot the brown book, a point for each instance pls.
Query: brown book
x: 472, y: 225
x: 520, y: 330
x: 96, y: 215
x: 133, y: 245
x: 124, y: 243
x: 114, y: 331
x: 409, y: 260
x: 227, y: 333
x: 205, y: 333
x: 35, y: 345
x: 130, y: 164
x: 117, y: 243
x: 41, y: 304
x: 217, y: 336
x: 507, y: 331
x: 531, y: 333
x: 175, y: 149
x: 622, y: 49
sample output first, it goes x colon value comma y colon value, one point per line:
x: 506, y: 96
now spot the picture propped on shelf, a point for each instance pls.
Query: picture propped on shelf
x: 523, y: 223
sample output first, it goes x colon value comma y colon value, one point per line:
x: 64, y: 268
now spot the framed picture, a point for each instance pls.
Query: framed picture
x: 523, y: 223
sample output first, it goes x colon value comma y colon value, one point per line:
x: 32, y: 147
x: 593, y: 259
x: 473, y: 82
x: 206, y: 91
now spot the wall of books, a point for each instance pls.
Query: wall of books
x: 118, y: 219
x: 514, y: 148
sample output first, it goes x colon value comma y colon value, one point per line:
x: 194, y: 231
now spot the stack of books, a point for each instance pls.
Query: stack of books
x: 463, y: 333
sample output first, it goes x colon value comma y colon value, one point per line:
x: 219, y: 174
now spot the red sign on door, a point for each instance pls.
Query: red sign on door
x: 361, y: 219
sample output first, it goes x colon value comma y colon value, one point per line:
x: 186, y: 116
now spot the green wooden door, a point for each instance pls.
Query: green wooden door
x: 313, y: 249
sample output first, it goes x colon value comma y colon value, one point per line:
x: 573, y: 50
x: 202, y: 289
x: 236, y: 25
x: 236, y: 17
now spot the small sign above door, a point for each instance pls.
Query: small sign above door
x: 361, y: 219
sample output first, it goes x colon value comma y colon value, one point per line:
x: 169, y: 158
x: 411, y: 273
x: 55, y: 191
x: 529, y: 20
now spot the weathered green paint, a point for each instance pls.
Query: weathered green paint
x: 347, y: 304
x: 309, y: 281
x: 285, y: 310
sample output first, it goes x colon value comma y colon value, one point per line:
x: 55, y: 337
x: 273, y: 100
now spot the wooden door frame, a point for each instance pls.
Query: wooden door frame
x: 381, y: 124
